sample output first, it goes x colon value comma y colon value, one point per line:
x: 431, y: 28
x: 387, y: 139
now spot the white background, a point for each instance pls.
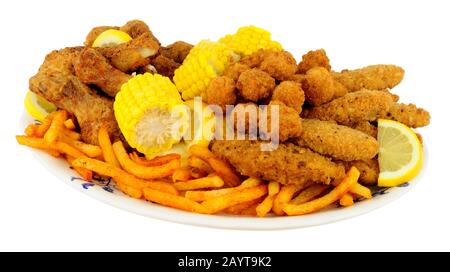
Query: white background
x: 39, y: 212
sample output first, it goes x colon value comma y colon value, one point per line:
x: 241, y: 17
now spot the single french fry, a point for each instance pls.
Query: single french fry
x: 31, y: 130
x: 53, y: 153
x: 207, y: 182
x: 309, y: 194
x: 223, y: 169
x: 349, y: 180
x: 145, y: 172
x: 173, y: 201
x: 181, y: 175
x: 196, y: 162
x: 210, y: 194
x: 160, y: 160
x: 84, y: 173
x: 250, y: 211
x: 266, y: 206
x: 222, y: 202
x: 105, y: 144
x: 197, y: 173
x: 56, y: 126
x: 346, y: 200
x: 92, y: 151
x: 131, y: 191
x: 68, y: 149
x: 361, y: 190
x: 284, y: 196
x: 72, y: 134
x: 121, y: 176
x: 239, y: 208
x: 42, y: 129
x: 69, y: 124
x: 38, y: 143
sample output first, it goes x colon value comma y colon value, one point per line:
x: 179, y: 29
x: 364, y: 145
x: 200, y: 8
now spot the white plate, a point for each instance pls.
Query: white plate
x: 106, y: 191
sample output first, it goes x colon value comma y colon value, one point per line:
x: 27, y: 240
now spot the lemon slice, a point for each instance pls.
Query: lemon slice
x: 400, y: 155
x: 202, y: 125
x: 111, y: 37
x: 37, y: 106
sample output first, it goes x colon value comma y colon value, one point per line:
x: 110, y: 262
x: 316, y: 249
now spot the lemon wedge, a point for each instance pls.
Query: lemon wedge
x: 37, y: 106
x: 202, y: 125
x: 400, y: 155
x: 111, y: 37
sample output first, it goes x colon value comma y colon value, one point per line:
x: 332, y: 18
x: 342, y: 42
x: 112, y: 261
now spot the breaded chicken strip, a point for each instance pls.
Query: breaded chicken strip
x: 367, y: 128
x: 235, y: 70
x: 129, y: 56
x: 320, y: 86
x: 177, y: 51
x: 291, y: 94
x: 369, y: 170
x: 92, y: 68
x: 288, y: 164
x: 254, y: 85
x: 339, y: 142
x: 374, y: 77
x: 353, y: 108
x: 57, y: 83
x: 221, y: 91
x: 317, y: 58
x: 410, y: 115
x: 280, y: 65
x: 164, y: 66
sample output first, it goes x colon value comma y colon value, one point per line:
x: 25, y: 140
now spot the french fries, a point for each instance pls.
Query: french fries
x: 350, y: 179
x: 266, y: 206
x: 92, y: 151
x: 31, y: 130
x: 105, y: 144
x: 207, y: 182
x: 42, y: 129
x: 131, y: 191
x: 160, y: 160
x: 241, y: 207
x: 197, y: 173
x: 181, y: 175
x: 72, y: 134
x: 196, y: 162
x: 346, y: 200
x: 222, y: 202
x: 144, y: 172
x: 223, y: 169
x: 284, y: 196
x: 84, y: 173
x: 359, y: 190
x: 309, y: 194
x: 69, y: 124
x: 56, y: 126
x: 174, y: 201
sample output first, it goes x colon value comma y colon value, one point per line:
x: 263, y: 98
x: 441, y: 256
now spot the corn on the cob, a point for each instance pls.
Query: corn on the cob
x: 205, y: 61
x: 144, y: 110
x: 249, y: 39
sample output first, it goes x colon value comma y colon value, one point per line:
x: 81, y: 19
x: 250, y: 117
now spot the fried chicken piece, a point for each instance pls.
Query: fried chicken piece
x: 91, y: 67
x: 137, y: 28
x: 289, y: 121
x: 339, y: 142
x: 288, y: 164
x: 369, y: 170
x: 374, y: 77
x: 254, y: 85
x: 280, y: 65
x: 367, y: 128
x: 352, y: 108
x: 291, y: 94
x: 255, y: 59
x: 95, y: 32
x: 410, y: 115
x: 221, y: 91
x: 299, y: 78
x: 165, y: 66
x: 56, y: 82
x: 129, y: 56
x: 235, y: 70
x: 312, y: 59
x: 320, y: 87
x: 177, y: 51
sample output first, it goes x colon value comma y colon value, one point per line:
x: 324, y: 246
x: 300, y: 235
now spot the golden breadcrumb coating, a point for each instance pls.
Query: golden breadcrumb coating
x: 137, y: 28
x: 339, y: 142
x: 177, y: 51
x: 281, y: 65
x: 316, y: 58
x: 352, y: 108
x: 235, y: 70
x: 165, y: 66
x: 291, y: 94
x: 367, y: 128
x: 254, y: 85
x: 369, y: 170
x: 410, y: 115
x: 318, y: 86
x: 288, y: 164
x: 374, y: 77
x: 221, y: 91
x: 255, y: 59
x: 290, y: 123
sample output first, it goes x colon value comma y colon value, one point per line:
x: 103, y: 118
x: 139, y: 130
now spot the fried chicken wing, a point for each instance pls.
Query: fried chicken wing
x: 254, y: 85
x: 374, y: 77
x: 353, y: 108
x: 339, y: 142
x: 288, y: 164
x: 291, y: 94
x: 410, y: 115
x: 221, y: 91
x: 132, y: 55
x: 316, y: 58
x: 177, y: 51
x: 164, y: 66
x: 57, y: 83
x: 92, y: 68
